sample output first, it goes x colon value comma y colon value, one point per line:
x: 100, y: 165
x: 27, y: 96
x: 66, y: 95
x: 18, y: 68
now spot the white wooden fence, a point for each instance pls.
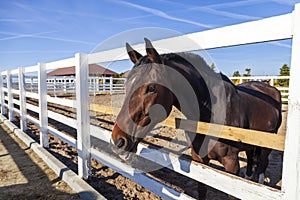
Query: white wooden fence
x: 275, y: 28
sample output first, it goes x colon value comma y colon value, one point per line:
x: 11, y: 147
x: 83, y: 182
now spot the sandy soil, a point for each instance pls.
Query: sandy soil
x: 23, y: 175
x: 113, y: 185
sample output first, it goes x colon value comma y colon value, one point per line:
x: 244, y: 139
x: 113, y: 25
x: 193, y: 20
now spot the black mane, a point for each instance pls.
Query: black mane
x: 185, y: 58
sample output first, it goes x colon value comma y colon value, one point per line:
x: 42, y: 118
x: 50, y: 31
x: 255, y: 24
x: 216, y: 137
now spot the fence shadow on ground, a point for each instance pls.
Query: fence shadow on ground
x: 36, y: 183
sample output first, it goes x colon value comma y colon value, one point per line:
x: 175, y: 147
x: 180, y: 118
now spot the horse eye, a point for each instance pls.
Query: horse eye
x: 151, y: 88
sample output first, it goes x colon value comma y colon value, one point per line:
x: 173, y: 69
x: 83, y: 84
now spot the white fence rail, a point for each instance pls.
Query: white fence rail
x: 269, y: 29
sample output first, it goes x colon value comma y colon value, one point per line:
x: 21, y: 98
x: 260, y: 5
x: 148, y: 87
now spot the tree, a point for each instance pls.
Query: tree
x: 213, y: 67
x: 284, y: 71
x: 236, y: 74
x: 248, y: 70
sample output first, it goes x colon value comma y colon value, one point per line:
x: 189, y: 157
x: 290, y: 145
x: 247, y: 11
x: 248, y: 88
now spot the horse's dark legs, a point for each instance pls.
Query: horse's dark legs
x: 199, y: 153
x: 232, y: 165
x: 263, y: 164
x: 202, y: 188
x: 249, y: 171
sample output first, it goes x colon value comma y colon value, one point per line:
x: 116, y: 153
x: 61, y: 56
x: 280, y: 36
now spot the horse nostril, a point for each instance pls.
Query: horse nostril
x: 120, y: 143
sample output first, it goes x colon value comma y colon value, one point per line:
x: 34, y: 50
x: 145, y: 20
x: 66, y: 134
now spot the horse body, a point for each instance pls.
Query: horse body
x: 251, y: 105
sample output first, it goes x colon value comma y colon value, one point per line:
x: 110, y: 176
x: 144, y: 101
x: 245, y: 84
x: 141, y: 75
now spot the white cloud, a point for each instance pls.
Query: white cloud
x: 227, y: 14
x: 280, y: 44
x: 41, y: 36
x: 212, y: 9
x: 235, y: 4
x: 162, y: 14
x: 17, y: 20
x: 35, y: 52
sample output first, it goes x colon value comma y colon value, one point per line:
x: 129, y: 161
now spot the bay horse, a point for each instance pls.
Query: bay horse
x: 184, y: 80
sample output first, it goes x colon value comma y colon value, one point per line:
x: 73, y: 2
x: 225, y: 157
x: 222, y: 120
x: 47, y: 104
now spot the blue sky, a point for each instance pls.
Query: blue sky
x: 34, y: 31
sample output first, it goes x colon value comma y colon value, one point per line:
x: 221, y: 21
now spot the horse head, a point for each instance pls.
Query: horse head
x: 147, y: 102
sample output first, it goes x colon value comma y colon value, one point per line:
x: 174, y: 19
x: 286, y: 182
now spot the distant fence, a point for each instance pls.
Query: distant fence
x: 66, y: 85
x: 271, y: 80
x: 270, y: 29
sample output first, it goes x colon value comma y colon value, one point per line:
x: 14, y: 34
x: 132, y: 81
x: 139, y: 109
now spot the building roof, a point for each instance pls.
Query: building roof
x: 125, y: 74
x: 94, y: 69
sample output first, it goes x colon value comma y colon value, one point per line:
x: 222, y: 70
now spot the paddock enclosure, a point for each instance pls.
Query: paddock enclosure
x: 17, y: 104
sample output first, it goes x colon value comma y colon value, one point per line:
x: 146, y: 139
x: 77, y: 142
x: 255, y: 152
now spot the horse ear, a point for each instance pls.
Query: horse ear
x: 133, y: 54
x: 151, y: 52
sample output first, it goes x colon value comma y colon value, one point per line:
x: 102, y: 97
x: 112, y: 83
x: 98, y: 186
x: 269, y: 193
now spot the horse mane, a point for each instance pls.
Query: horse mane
x: 198, y: 63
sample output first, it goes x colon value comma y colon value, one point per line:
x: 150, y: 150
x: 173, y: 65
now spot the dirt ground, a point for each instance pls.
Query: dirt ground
x: 23, y: 175
x: 111, y: 184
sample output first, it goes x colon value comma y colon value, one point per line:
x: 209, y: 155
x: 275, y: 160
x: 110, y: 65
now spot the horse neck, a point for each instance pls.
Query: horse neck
x: 199, y: 108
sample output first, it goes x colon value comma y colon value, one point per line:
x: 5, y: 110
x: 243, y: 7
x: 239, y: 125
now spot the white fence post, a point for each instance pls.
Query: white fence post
x: 83, y: 117
x: 291, y: 161
x: 54, y: 87
x: 2, y: 95
x: 10, y: 96
x: 64, y: 83
x: 31, y: 84
x: 22, y: 97
x: 94, y: 86
x: 43, y: 109
x: 111, y: 85
x: 272, y: 81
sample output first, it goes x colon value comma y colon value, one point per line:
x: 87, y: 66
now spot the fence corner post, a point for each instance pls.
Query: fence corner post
x: 43, y: 109
x: 22, y: 97
x: 291, y: 159
x: 83, y: 117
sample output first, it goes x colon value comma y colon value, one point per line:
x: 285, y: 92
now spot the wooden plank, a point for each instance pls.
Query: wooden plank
x: 258, y: 138
x: 291, y: 160
x: 104, y: 109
